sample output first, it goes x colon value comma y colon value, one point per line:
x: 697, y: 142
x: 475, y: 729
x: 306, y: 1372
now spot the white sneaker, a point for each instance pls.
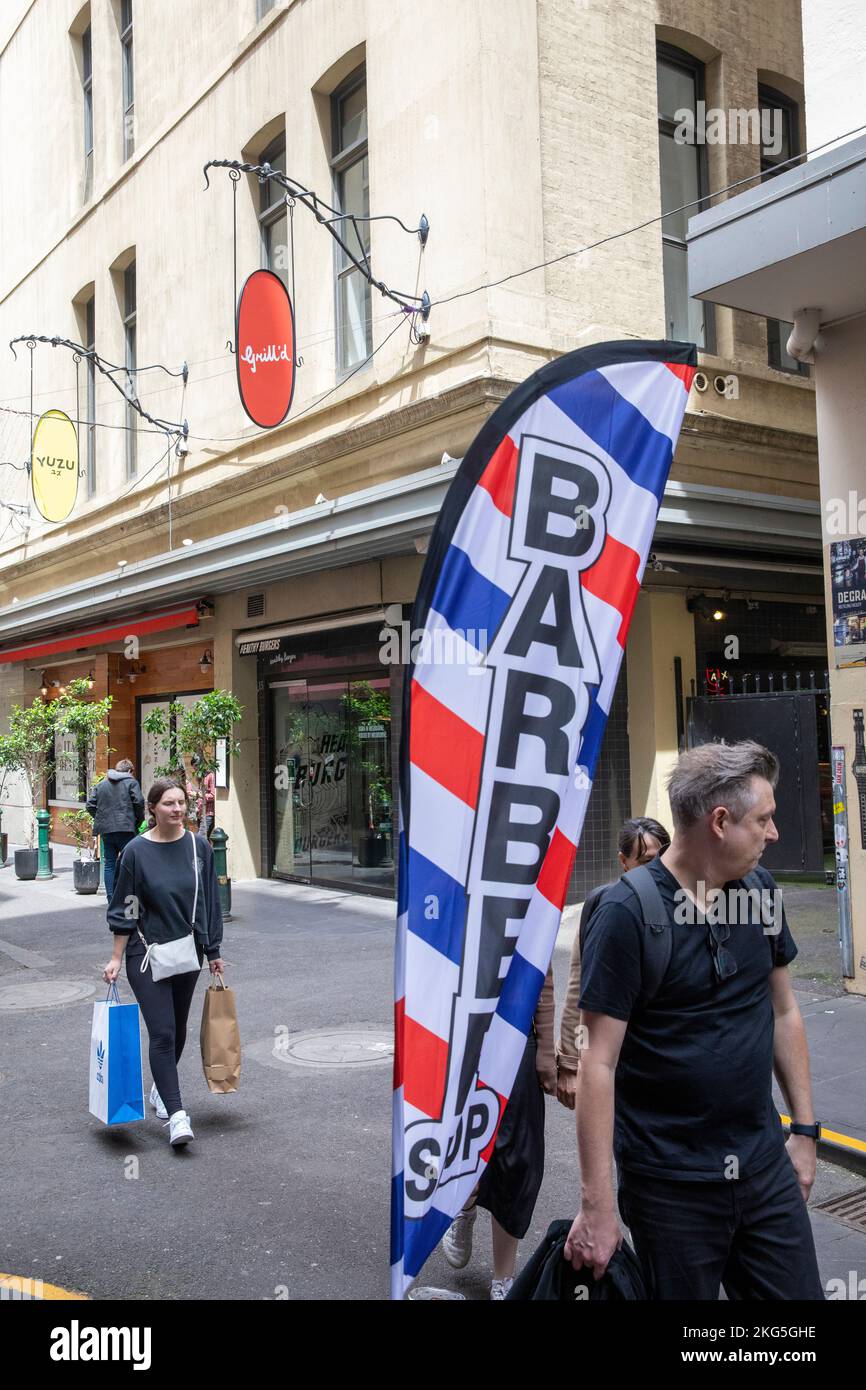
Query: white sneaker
x: 157, y: 1104
x: 457, y: 1240
x: 179, y: 1129
x: 499, y: 1289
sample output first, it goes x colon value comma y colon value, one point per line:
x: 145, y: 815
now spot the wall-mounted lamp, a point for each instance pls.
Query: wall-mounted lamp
x: 44, y: 687
x: 206, y: 663
x: 705, y: 608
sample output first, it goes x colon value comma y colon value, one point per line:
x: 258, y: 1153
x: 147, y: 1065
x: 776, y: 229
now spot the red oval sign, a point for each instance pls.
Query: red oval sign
x: 265, y: 340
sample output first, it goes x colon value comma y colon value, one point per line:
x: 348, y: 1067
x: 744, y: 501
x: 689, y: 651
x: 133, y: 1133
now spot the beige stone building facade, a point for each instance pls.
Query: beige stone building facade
x: 522, y: 129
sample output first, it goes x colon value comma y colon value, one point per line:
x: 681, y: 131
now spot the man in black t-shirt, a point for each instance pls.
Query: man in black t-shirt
x: 676, y: 1080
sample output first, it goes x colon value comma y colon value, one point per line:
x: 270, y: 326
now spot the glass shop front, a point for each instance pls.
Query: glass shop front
x: 328, y: 771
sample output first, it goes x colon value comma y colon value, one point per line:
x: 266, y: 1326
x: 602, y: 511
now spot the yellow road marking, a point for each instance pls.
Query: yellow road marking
x: 845, y: 1140
x: 28, y: 1287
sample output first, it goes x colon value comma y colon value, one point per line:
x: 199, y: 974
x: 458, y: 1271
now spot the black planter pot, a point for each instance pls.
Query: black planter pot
x: 26, y: 863
x: 371, y: 850
x: 85, y: 875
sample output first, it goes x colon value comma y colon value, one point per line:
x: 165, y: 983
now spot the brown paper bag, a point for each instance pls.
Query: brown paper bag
x: 220, y: 1038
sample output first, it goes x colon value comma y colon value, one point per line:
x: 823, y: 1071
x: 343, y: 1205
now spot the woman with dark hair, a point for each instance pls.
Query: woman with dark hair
x: 639, y: 840
x: 165, y: 891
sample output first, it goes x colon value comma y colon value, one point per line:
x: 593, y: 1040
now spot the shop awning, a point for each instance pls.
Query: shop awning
x: 797, y: 241
x: 256, y: 639
x: 96, y: 637
x: 392, y: 518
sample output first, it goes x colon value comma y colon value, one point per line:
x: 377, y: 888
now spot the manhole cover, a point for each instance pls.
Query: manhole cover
x: 849, y: 1208
x: 326, y: 1048
x: 43, y: 994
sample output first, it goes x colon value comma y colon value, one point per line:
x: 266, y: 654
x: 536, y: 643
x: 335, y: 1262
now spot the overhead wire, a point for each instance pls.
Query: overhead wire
x: 403, y: 314
x: 235, y: 438
x: 314, y: 337
x: 640, y: 226
x: 137, y: 481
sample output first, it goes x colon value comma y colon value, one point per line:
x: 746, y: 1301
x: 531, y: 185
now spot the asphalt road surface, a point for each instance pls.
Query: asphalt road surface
x: 284, y: 1193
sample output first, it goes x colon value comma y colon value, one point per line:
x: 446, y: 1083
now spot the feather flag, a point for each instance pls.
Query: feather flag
x: 519, y: 627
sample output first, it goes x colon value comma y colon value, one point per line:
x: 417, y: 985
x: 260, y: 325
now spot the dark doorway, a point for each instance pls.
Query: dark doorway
x: 786, y: 723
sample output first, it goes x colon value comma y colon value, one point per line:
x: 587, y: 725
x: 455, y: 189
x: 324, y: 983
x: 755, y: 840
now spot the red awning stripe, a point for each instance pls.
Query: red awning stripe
x: 95, y: 637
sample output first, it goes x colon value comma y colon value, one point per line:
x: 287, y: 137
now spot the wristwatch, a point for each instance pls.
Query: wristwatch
x: 811, y: 1131
x: 858, y: 768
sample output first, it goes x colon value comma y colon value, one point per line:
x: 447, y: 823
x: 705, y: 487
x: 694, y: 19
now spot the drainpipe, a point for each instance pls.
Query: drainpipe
x: 802, y: 342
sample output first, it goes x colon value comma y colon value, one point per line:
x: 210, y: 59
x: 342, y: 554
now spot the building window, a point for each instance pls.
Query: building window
x: 130, y: 363
x: 87, y: 89
x: 780, y: 119
x: 90, y: 344
x: 273, y: 214
x: 262, y: 7
x: 128, y: 78
x: 683, y: 180
x: 350, y: 168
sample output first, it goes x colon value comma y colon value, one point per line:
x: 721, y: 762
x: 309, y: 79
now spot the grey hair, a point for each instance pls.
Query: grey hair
x: 124, y: 766
x: 718, y: 774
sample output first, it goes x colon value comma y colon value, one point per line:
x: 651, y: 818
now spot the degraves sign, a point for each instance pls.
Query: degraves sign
x: 848, y: 587
x: 54, y: 465
x: 265, y: 338
x: 537, y: 556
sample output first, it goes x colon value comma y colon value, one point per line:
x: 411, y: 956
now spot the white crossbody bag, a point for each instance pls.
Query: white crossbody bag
x: 174, y: 957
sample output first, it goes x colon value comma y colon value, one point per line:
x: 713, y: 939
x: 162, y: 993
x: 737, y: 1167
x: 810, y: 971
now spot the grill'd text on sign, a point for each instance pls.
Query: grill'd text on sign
x: 265, y: 339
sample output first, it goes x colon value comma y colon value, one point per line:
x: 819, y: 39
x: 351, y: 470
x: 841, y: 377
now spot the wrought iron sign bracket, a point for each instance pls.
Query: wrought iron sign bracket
x: 334, y: 220
x: 109, y: 370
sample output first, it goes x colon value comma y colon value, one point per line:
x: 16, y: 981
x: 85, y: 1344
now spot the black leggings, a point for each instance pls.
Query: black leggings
x: 165, y: 1006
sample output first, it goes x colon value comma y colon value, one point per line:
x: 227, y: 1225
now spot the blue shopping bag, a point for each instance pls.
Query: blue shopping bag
x: 116, y: 1090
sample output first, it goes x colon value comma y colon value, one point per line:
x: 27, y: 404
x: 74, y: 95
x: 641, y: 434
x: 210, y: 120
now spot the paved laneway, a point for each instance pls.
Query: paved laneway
x: 285, y: 1190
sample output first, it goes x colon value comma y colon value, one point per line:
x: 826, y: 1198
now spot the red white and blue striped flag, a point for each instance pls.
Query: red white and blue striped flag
x: 519, y: 628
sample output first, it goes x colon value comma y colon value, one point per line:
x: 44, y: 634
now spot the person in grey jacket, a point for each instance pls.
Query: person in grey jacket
x: 117, y: 807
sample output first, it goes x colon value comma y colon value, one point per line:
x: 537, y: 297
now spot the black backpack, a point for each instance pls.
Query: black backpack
x: 658, y: 936
x: 548, y: 1276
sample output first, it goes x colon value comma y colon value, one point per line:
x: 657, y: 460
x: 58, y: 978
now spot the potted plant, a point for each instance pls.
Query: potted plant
x: 4, y: 839
x: 368, y: 710
x: 373, y: 844
x: 28, y: 747
x: 189, y: 734
x: 85, y: 868
x: 86, y: 720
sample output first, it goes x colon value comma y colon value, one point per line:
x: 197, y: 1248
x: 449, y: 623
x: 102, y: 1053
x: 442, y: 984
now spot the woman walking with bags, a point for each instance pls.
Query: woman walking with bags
x: 165, y: 913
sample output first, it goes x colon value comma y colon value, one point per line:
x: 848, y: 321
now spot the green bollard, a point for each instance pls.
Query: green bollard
x: 218, y: 841
x: 43, y: 821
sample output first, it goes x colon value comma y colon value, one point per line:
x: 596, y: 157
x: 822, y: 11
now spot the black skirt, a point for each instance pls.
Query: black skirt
x: 512, y: 1179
